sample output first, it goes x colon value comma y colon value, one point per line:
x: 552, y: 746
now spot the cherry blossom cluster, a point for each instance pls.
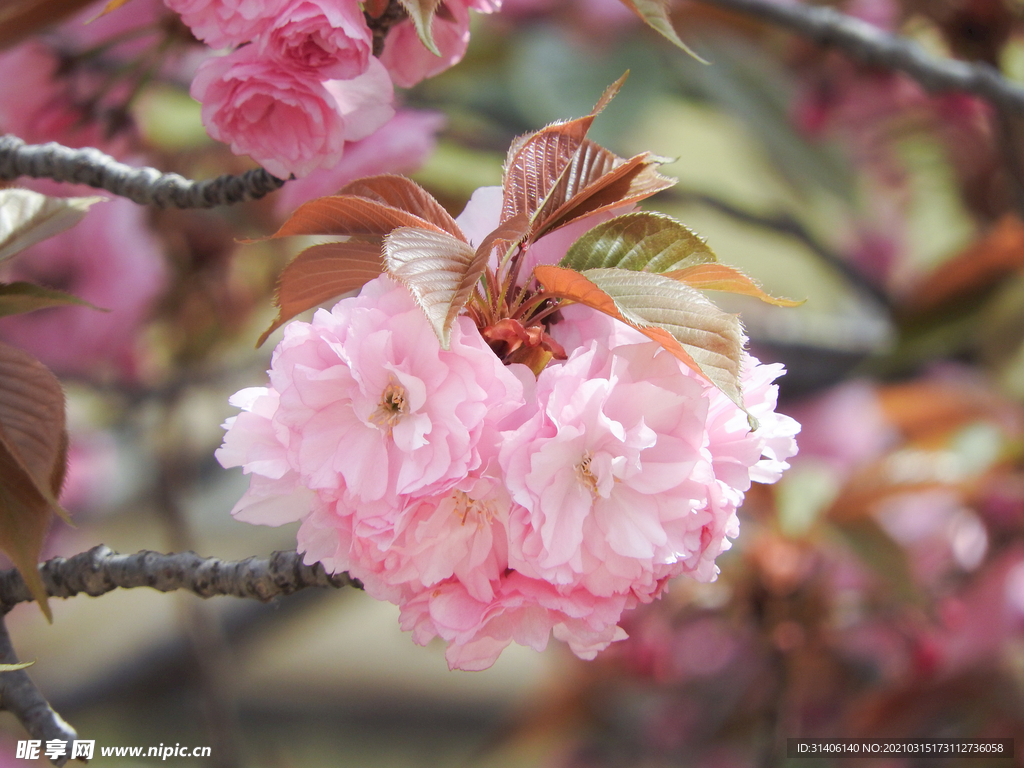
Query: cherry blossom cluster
x: 491, y: 504
x: 301, y: 79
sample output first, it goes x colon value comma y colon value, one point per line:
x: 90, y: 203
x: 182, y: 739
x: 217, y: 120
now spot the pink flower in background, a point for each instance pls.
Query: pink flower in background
x: 407, y: 59
x: 38, y: 107
x: 976, y: 623
x: 227, y: 23
x: 287, y: 121
x: 302, y: 80
x: 89, y: 28
x: 845, y: 427
x: 402, y: 145
x: 110, y: 259
x: 329, y: 40
x: 365, y: 101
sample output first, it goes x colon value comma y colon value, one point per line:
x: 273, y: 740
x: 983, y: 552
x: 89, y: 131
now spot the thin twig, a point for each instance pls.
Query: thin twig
x: 146, y: 186
x: 1009, y: 135
x: 871, y: 45
x: 784, y: 224
x: 211, y: 657
x: 20, y: 697
x: 101, y: 570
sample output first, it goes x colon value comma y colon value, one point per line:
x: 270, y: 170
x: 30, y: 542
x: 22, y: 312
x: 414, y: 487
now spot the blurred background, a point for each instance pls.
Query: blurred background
x: 876, y: 591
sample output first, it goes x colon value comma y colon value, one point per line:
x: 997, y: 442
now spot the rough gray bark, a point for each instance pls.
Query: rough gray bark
x: 20, y: 697
x: 146, y: 186
x: 871, y: 45
x: 101, y: 570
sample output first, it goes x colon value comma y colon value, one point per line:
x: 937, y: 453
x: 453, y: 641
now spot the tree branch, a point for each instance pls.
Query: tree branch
x: 146, y: 186
x: 787, y: 225
x: 20, y: 697
x: 864, y: 42
x: 101, y: 570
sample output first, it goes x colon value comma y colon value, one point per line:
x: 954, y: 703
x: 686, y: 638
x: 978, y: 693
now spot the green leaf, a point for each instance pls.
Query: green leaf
x: 655, y: 15
x: 433, y: 266
x: 15, y: 667
x: 16, y: 298
x: 33, y: 459
x: 678, y: 317
x: 641, y: 241
x: 321, y: 273
x: 27, y: 217
x: 883, y: 556
x: 422, y: 14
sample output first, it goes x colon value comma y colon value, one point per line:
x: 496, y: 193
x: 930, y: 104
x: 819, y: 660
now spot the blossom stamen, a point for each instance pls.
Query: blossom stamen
x: 465, y: 504
x: 393, y: 406
x: 585, y: 476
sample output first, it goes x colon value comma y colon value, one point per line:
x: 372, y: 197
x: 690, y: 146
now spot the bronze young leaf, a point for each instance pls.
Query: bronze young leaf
x: 406, y: 195
x: 603, y: 183
x: 33, y: 458
x: 349, y: 215
x: 719, y: 277
x: 322, y: 272
x: 537, y: 162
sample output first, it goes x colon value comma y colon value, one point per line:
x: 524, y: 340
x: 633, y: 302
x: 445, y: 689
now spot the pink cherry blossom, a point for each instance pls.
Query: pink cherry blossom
x: 287, y: 121
x: 327, y: 39
x: 368, y: 411
x: 525, y: 611
x: 490, y: 505
x: 370, y: 376
x: 408, y: 60
x: 604, y: 472
x: 110, y: 259
x: 227, y: 23
x: 258, y: 445
x: 365, y: 101
x: 732, y: 455
x: 456, y: 536
x: 402, y: 145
